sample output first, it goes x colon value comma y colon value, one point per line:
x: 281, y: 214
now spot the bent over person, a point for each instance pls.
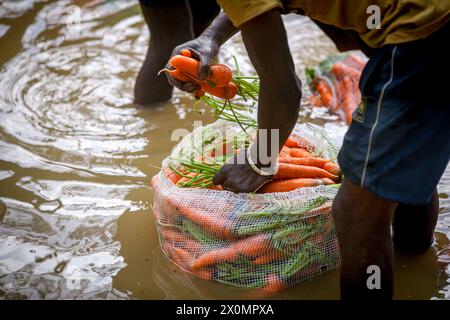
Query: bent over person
x: 398, y: 144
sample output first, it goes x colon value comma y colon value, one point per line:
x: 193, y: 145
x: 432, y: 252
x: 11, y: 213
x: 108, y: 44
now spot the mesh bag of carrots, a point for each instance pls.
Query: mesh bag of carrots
x: 269, y: 240
x: 335, y: 84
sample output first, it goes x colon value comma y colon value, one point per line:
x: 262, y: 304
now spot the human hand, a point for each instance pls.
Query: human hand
x: 239, y: 176
x: 204, y: 49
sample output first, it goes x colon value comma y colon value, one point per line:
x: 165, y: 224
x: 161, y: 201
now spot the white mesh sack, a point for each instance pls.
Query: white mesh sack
x: 261, y: 241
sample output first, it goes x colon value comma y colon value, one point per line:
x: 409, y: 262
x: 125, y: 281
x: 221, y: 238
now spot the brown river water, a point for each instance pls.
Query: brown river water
x: 76, y: 159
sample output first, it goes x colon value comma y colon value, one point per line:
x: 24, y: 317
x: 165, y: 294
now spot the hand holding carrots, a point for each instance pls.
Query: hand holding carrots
x: 183, y: 67
x: 193, y: 73
x: 204, y: 49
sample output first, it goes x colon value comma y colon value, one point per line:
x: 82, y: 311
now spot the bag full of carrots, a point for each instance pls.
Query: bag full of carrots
x: 265, y: 241
x: 334, y: 83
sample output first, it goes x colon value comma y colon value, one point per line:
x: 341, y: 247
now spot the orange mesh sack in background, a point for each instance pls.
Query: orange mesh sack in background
x: 266, y: 241
x: 335, y: 84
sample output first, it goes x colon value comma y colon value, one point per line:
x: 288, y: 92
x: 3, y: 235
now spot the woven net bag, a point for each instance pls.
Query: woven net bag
x: 258, y: 241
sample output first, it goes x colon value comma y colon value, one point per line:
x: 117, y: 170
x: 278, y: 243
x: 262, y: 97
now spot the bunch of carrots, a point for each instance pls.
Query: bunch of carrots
x: 335, y: 83
x: 297, y: 168
x: 218, y: 83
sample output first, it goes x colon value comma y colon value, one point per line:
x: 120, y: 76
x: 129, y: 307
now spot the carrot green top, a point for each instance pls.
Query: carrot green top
x: 400, y: 20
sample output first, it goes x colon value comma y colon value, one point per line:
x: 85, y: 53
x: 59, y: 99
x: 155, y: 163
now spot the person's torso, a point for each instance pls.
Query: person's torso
x: 400, y: 20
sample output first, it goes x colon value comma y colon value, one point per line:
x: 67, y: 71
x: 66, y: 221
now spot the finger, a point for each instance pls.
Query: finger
x: 219, y: 177
x: 227, y: 185
x: 176, y: 51
x: 195, y: 53
x: 205, y: 67
x: 205, y: 63
x: 189, y: 87
x: 183, y: 86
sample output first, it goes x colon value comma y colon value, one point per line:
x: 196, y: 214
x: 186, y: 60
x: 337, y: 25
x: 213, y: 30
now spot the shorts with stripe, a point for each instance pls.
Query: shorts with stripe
x: 398, y: 144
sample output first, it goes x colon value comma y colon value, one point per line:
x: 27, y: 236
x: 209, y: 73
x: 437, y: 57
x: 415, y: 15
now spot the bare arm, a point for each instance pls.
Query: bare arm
x: 221, y: 29
x: 280, y: 89
x: 279, y: 98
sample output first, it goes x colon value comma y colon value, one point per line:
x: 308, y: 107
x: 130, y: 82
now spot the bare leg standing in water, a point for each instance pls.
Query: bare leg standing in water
x: 170, y: 23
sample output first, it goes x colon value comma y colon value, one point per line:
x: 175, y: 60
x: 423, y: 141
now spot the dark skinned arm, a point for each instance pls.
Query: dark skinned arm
x: 205, y: 48
x: 279, y: 98
x: 280, y: 89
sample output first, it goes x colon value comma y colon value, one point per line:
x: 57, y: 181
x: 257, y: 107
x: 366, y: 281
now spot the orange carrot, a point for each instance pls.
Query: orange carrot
x: 332, y: 168
x: 328, y: 226
x: 227, y: 92
x: 306, y: 161
x: 252, y: 245
x: 191, y: 245
x: 285, y: 151
x: 325, y: 93
x: 213, y: 257
x: 273, y: 283
x: 184, y: 240
x: 349, y: 103
x: 179, y: 75
x: 290, y: 171
x: 181, y: 256
x: 341, y: 70
x: 299, y: 153
x: 318, y: 238
x: 222, y: 149
x: 316, y: 101
x: 290, y: 184
x: 183, y: 180
x: 167, y: 213
x: 339, y: 88
x: 315, y: 212
x: 220, y: 74
x: 186, y: 53
x: 268, y: 257
x: 292, y: 142
x: 204, y: 274
x: 354, y: 62
x: 170, y: 234
x: 166, y: 249
x: 185, y: 64
x: 172, y: 176
x: 248, y: 246
x: 328, y: 181
x: 217, y: 226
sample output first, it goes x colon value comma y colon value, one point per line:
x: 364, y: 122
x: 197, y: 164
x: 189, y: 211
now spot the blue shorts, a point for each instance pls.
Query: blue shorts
x: 398, y: 144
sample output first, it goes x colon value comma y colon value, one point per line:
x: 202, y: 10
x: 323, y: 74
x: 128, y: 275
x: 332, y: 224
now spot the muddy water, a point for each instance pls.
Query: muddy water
x: 76, y: 158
